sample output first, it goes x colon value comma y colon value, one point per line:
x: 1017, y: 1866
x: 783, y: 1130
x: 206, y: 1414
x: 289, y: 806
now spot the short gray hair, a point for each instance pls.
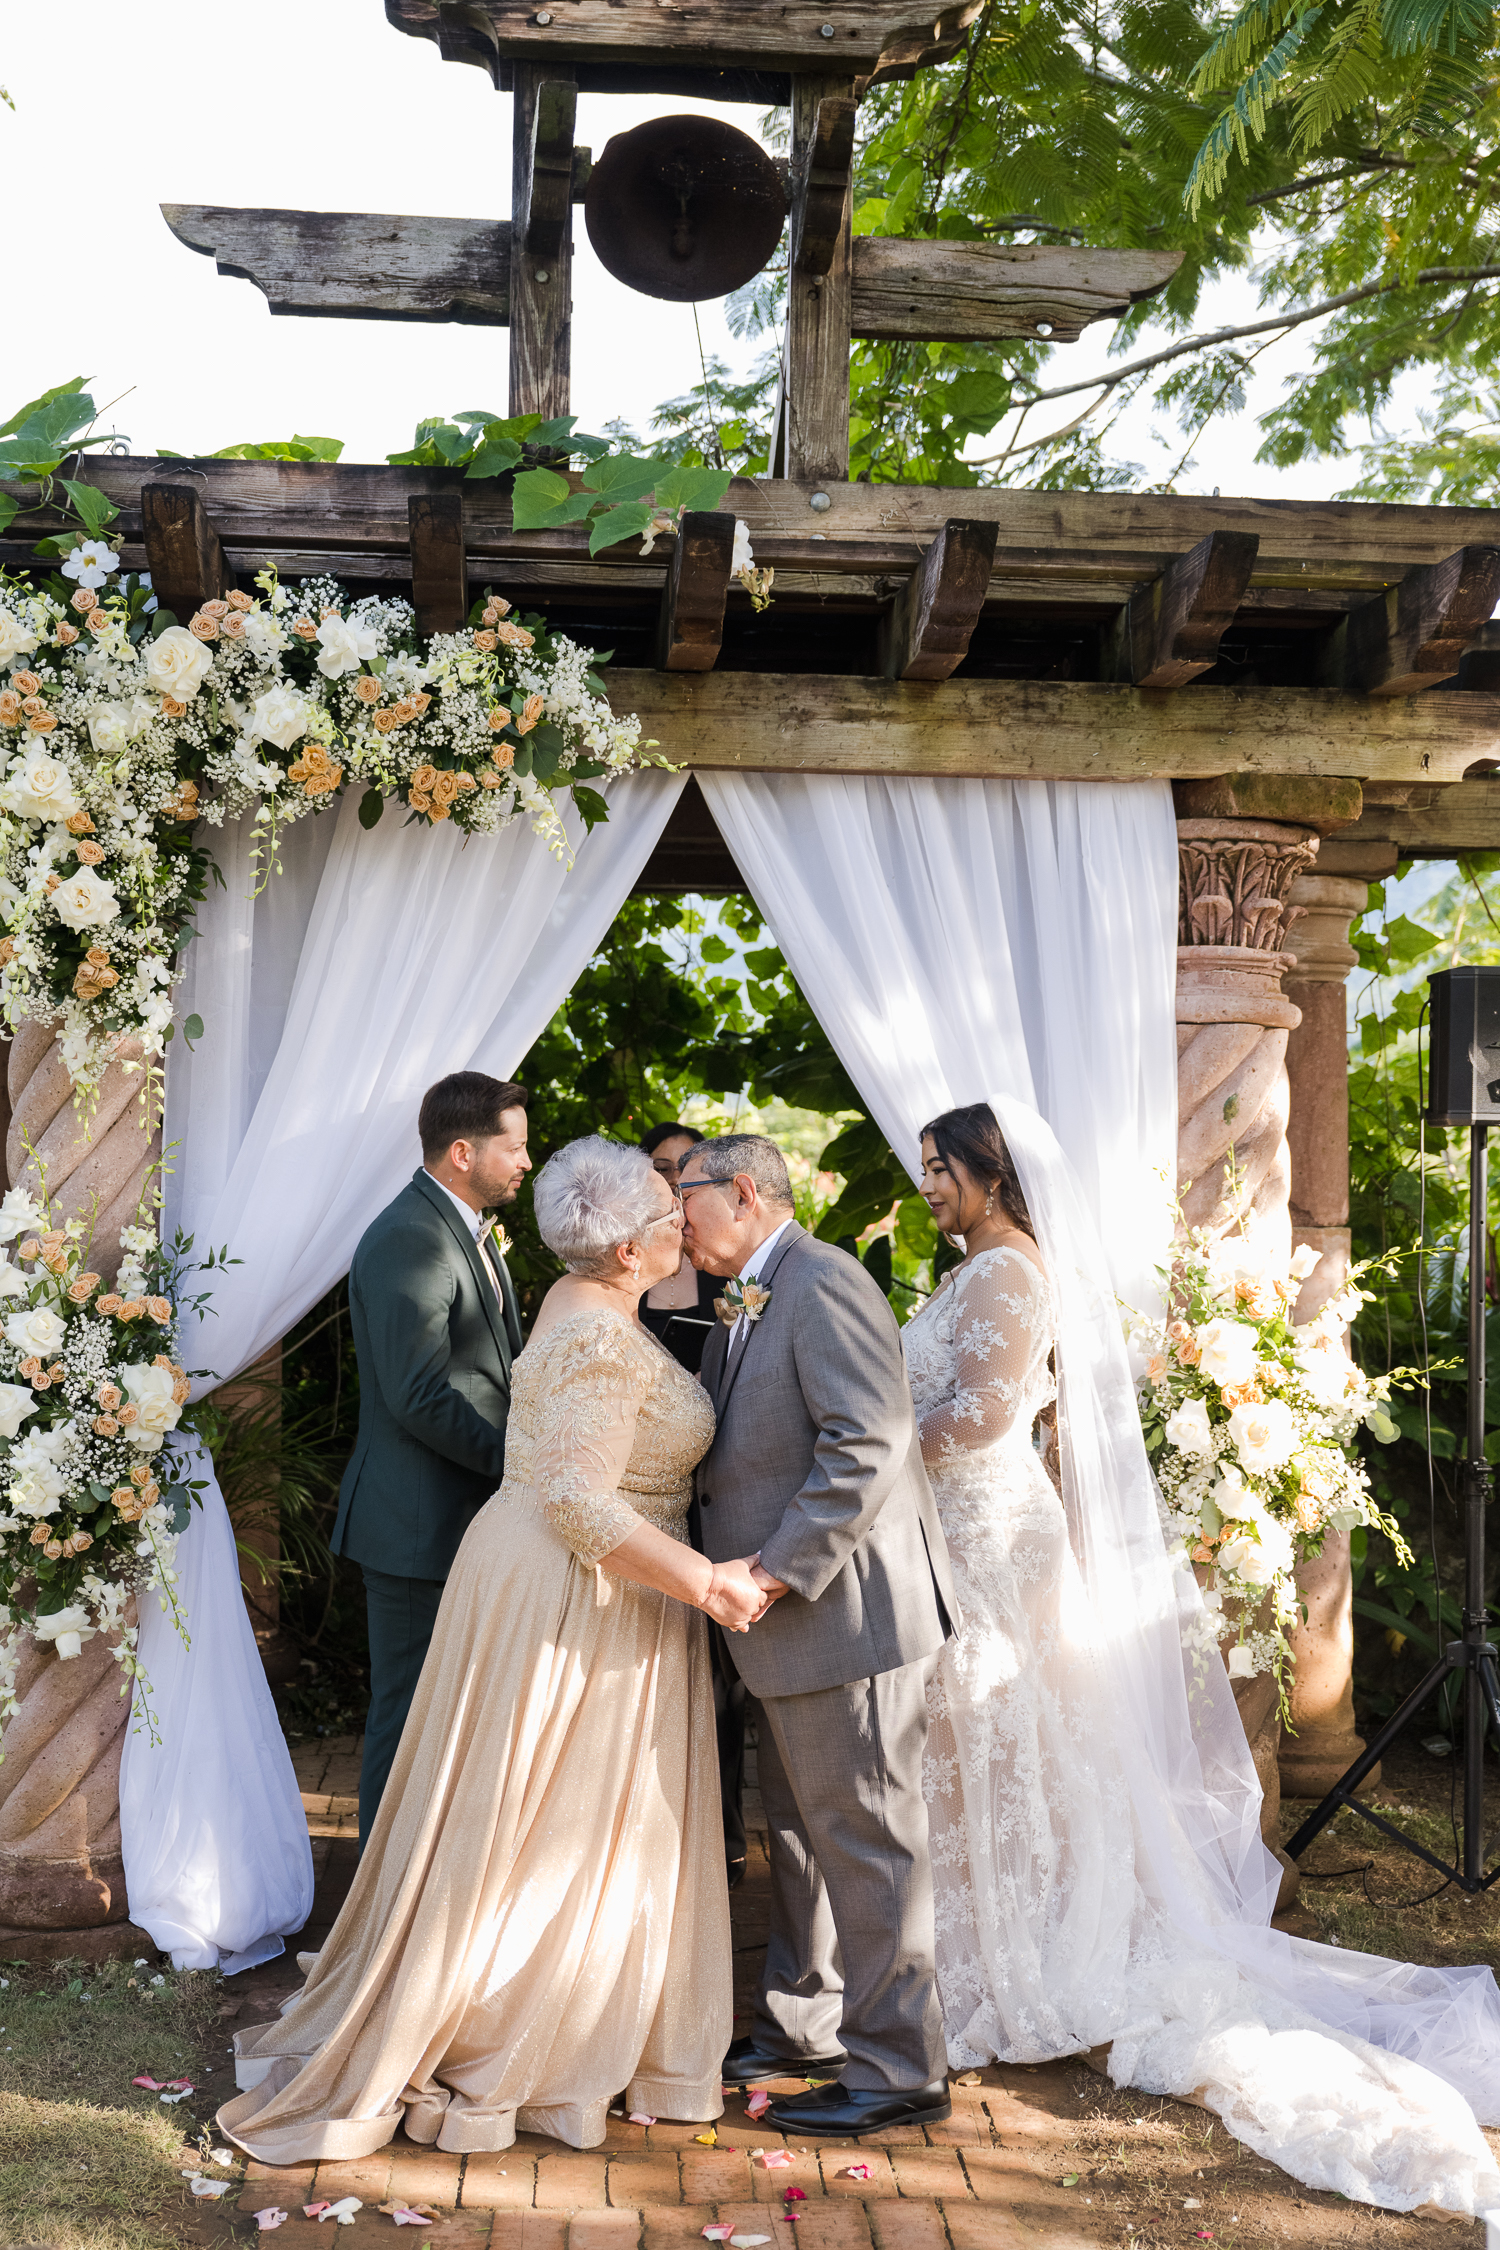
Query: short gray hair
x: 592, y: 1195
x: 751, y: 1153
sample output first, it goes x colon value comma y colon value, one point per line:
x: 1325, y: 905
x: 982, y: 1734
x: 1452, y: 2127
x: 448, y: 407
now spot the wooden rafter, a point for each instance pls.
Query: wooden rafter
x: 357, y: 265
x: 182, y: 549
x: 691, y: 629
x: 1415, y: 635
x: 541, y: 285
x: 1170, y: 630
x: 963, y: 291
x: 932, y: 619
x: 439, y: 569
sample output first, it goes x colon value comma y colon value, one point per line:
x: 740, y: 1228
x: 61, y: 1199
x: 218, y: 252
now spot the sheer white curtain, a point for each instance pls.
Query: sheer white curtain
x: 372, y: 963
x: 959, y: 937
x: 1015, y: 941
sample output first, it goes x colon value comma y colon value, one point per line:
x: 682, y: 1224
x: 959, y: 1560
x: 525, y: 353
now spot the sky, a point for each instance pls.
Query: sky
x: 322, y: 106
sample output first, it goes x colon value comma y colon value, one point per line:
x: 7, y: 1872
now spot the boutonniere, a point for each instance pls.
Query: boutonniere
x: 499, y: 1238
x: 745, y: 1297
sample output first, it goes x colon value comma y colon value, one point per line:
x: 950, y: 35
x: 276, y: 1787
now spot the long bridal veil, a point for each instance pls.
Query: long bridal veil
x: 1357, y: 2074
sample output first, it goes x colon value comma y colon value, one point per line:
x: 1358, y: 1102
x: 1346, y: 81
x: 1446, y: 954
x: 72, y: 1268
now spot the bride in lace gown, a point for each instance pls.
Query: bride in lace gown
x: 1071, y: 1910
x: 540, y: 1917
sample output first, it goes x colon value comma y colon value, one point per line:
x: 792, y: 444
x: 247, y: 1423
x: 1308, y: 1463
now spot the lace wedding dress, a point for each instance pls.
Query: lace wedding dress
x: 539, y: 1919
x: 1052, y: 1937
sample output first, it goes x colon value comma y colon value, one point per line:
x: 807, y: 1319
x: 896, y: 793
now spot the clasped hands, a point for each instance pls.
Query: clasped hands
x: 740, y: 1593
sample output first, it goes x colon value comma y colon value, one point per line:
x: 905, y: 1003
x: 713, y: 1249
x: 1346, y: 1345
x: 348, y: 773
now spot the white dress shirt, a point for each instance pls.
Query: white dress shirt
x: 751, y: 1271
x: 476, y: 1222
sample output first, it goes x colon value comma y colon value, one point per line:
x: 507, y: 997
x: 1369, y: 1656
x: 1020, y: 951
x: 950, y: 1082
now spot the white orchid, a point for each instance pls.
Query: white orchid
x: 19, y: 1214
x: 344, y: 646
x: 90, y: 563
x: 67, y: 1629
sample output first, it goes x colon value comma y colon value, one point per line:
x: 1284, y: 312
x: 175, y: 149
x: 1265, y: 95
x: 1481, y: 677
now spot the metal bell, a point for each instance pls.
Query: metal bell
x: 684, y: 208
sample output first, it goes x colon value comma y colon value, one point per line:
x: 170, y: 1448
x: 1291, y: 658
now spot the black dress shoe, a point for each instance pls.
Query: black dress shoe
x: 746, y: 2064
x: 843, y: 2112
x: 736, y: 1868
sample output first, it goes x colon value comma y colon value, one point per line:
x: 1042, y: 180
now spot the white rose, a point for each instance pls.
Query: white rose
x: 16, y: 1402
x: 85, y: 900
x: 177, y: 664
x: 13, y: 1284
x: 1264, y: 1436
x: 35, y: 1333
x: 345, y: 646
x: 157, y: 1411
x: 263, y: 636
x: 112, y: 726
x: 67, y: 1629
x: 1241, y: 1662
x: 1227, y: 1351
x: 281, y: 716
x: 37, y: 1489
x: 1189, y: 1428
x: 40, y: 788
x: 1326, y: 1374
x: 18, y: 1215
x: 15, y: 640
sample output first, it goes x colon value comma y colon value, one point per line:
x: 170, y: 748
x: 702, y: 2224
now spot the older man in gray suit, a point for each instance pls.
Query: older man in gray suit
x: 816, y: 1467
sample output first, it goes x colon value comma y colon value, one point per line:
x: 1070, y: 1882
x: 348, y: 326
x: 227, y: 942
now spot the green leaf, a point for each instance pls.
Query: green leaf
x: 692, y: 488
x: 622, y: 476
x: 93, y: 505
x: 371, y: 806
x: 453, y: 444
x: 191, y: 1030
x: 714, y: 949
x: 35, y: 405
x: 591, y: 805
x: 624, y: 522
x: 495, y: 456
x: 1407, y: 940
x: 537, y: 498
x: 9, y: 510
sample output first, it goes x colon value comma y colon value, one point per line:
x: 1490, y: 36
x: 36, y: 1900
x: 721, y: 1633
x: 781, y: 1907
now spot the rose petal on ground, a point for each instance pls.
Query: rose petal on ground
x: 343, y: 2211
x: 794, y: 2195
x: 759, y: 2102
x: 184, y: 2085
x: 747, y: 2241
x: 404, y: 2217
x: 182, y: 2097
x: 778, y: 2160
x: 717, y: 2233
x: 855, y: 2172
x: 201, y: 2186
x: 152, y: 2085
x: 269, y: 2219
x: 315, y: 2210
x: 639, y: 2117
x: 710, y: 2139
x: 970, y: 2078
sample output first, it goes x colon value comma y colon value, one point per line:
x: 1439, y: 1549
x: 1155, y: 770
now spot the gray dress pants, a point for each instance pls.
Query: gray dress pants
x: 849, y: 1962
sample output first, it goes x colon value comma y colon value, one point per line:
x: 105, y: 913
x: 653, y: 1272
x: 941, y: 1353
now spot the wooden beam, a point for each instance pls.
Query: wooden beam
x: 932, y: 620
x: 439, y: 569
x: 550, y: 205
x: 865, y: 38
x: 541, y: 287
x: 690, y: 854
x: 1169, y: 632
x: 956, y: 292
x: 691, y: 629
x: 183, y: 552
x: 1415, y: 634
x: 1434, y: 823
x: 358, y: 265
x: 811, y: 424
x: 824, y: 185
x: 1058, y: 729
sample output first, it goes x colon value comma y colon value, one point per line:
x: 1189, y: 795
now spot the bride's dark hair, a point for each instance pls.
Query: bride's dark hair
x: 971, y: 1137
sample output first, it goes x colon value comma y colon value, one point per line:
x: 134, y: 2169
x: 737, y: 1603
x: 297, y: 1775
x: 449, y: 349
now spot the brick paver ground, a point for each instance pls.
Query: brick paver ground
x: 1052, y: 2156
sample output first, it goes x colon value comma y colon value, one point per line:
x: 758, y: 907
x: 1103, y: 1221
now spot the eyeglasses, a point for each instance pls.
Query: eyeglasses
x: 686, y: 1187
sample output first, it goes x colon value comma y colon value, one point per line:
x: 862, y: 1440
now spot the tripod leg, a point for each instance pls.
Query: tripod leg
x: 1344, y: 1788
x: 1490, y: 1681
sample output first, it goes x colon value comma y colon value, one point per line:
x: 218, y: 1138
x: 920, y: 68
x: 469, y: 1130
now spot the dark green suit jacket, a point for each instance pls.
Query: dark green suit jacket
x: 434, y: 1352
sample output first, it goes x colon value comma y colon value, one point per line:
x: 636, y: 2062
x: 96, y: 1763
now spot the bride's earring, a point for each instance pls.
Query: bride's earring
x: 989, y: 1201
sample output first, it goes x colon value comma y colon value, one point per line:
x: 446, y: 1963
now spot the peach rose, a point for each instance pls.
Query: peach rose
x: 39, y: 1535
x: 52, y: 1550
x: 490, y: 781
x: 384, y: 722
x: 42, y: 722
x: 83, y: 1288
x: 405, y: 710
x: 84, y: 600
x: 97, y: 621
x: 25, y: 683
x: 129, y: 1415
x: 97, y: 956
x: 515, y: 636
x: 486, y: 641
x: 240, y: 601
x: 531, y: 711
x: 10, y: 708
x: 160, y: 1310
x: 233, y: 626
x: 445, y: 787
x: 203, y: 628
x: 171, y: 708
x: 329, y: 609
x: 495, y: 608
x: 82, y: 1541
x: 54, y: 883
x: 79, y: 824
x: 31, y: 1368
x: 368, y: 688
x: 215, y: 609
x: 503, y: 755
x: 419, y: 703
x: 305, y: 629
x: 109, y: 1303
x: 90, y: 855
x: 30, y: 1249
x: 7, y: 952
x: 108, y: 1395
x: 498, y: 718
x: 66, y: 633
x: 141, y: 1473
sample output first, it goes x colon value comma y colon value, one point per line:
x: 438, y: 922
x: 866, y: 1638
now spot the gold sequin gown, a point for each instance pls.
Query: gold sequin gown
x: 540, y: 1918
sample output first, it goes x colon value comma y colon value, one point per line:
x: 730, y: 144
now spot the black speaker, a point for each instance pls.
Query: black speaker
x: 1463, y: 1069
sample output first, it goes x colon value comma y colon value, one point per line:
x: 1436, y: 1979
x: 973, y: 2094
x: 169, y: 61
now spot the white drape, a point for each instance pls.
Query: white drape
x: 1015, y: 941
x: 1024, y: 929
x: 372, y: 963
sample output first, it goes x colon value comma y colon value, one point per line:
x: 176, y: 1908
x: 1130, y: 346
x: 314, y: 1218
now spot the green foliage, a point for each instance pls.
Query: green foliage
x: 273, y: 449
x: 39, y: 437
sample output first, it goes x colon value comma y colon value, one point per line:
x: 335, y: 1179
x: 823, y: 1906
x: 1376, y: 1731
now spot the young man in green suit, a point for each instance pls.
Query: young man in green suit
x: 436, y: 1325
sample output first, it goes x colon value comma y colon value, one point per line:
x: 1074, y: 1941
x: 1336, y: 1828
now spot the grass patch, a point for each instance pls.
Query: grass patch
x: 87, y: 2161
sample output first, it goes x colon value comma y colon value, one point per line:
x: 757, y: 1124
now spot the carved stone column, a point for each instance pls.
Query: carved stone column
x: 1322, y: 1690
x: 62, y: 1884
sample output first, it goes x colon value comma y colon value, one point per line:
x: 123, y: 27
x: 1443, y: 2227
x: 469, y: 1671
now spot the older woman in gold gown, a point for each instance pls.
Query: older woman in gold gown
x: 540, y: 1919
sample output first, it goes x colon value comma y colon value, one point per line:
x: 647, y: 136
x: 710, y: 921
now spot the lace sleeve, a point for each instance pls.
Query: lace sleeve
x: 1002, y: 1306
x: 595, y: 1386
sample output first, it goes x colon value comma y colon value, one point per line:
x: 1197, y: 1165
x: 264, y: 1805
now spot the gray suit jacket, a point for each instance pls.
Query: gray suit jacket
x: 816, y: 1464
x: 434, y: 1352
